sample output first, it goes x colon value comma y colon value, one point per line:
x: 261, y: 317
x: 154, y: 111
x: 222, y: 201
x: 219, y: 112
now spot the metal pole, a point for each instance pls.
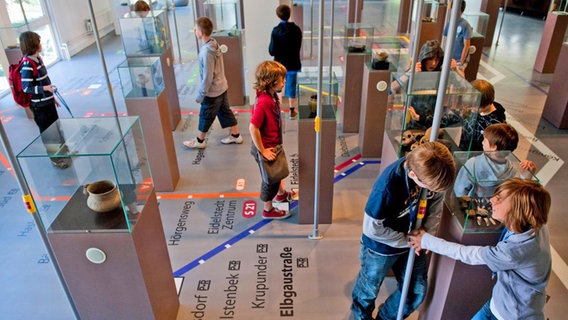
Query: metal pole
x: 444, y: 75
x: 415, y: 38
x: 101, y: 54
x: 177, y: 31
x: 24, y: 15
x: 311, y: 27
x: 329, y: 96
x: 355, y: 22
x: 409, y: 16
x: 29, y: 203
x: 317, y: 126
x: 501, y: 23
x: 194, y: 9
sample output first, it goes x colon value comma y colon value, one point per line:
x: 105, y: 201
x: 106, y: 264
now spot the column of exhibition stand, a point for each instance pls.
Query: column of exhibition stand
x: 158, y: 115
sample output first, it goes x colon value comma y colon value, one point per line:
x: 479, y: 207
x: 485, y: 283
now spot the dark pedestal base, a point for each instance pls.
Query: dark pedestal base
x: 351, y: 107
x: 447, y: 278
x: 556, y: 106
x: 153, y: 113
x: 374, y: 100
x: 551, y: 42
x: 134, y: 282
x: 307, y: 157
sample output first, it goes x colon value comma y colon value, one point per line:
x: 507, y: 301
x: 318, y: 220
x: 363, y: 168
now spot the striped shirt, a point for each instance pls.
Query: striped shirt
x: 35, y: 86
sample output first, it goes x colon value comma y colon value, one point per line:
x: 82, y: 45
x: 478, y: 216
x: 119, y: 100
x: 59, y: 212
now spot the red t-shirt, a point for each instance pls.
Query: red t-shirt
x: 266, y: 117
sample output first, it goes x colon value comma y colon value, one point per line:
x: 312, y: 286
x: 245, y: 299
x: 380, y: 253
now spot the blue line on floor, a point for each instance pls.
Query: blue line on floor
x: 193, y: 264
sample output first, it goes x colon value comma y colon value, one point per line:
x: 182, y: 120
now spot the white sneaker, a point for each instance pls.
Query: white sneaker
x: 230, y: 139
x: 194, y: 144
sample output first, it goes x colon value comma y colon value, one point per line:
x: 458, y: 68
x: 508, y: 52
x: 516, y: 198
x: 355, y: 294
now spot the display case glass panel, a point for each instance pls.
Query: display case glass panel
x: 141, y: 77
x: 88, y: 174
x: 479, y: 173
x: 307, y: 89
x: 223, y: 13
x: 388, y: 53
x: 411, y: 109
x: 144, y: 33
x: 430, y: 11
x: 478, y: 21
x: 358, y: 37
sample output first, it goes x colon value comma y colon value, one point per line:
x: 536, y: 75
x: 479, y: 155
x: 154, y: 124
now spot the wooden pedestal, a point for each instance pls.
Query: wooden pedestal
x: 153, y: 113
x: 446, y: 297
x: 556, y: 106
x: 389, y: 153
x: 354, y: 9
x: 134, y: 282
x: 551, y: 41
x: 174, y: 112
x: 374, y: 100
x: 234, y: 68
x: 432, y: 30
x: 491, y: 7
x: 478, y: 41
x: 298, y: 18
x: 351, y: 106
x: 307, y: 156
x: 403, y: 17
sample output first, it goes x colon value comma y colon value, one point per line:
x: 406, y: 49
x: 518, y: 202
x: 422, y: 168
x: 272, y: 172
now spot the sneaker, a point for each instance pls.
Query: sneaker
x: 293, y: 114
x: 230, y: 139
x: 275, y: 214
x: 194, y: 144
x: 285, y: 197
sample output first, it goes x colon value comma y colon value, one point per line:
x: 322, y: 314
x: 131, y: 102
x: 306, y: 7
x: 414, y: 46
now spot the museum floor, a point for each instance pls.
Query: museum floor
x: 219, y: 268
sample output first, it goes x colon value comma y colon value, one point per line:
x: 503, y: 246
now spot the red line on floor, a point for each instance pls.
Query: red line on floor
x: 348, y: 162
x: 208, y: 195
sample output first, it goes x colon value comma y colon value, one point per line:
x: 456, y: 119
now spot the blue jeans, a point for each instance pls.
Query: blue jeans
x: 374, y: 268
x: 484, y: 313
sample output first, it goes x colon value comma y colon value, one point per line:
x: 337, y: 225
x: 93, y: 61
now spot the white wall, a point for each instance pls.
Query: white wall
x: 70, y: 17
x: 260, y: 18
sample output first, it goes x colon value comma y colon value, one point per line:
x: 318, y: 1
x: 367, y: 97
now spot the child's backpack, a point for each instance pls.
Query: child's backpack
x: 15, y: 79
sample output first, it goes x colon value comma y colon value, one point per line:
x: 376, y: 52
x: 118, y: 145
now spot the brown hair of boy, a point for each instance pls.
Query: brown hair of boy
x: 433, y: 165
x: 29, y: 43
x: 267, y: 74
x: 487, y: 91
x: 530, y: 204
x: 502, y: 135
x: 205, y: 25
x: 283, y: 12
x: 141, y: 5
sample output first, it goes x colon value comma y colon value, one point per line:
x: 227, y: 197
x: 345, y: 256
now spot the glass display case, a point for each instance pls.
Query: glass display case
x: 307, y: 89
x: 223, y: 13
x: 358, y: 37
x: 388, y: 53
x: 430, y: 10
x: 411, y: 110
x: 88, y: 174
x: 478, y: 21
x: 144, y: 33
x: 479, y: 173
x: 141, y: 77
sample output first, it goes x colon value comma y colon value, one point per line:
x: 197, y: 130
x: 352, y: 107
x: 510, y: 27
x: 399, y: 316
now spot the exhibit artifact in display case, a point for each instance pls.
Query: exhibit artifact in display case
x: 141, y: 77
x: 387, y: 53
x: 479, y: 173
x: 358, y: 37
x: 307, y: 89
x: 144, y: 33
x: 411, y: 110
x: 106, y: 180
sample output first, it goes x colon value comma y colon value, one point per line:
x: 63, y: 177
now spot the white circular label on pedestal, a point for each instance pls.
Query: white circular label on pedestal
x: 95, y: 255
x: 382, y: 85
x: 223, y: 48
